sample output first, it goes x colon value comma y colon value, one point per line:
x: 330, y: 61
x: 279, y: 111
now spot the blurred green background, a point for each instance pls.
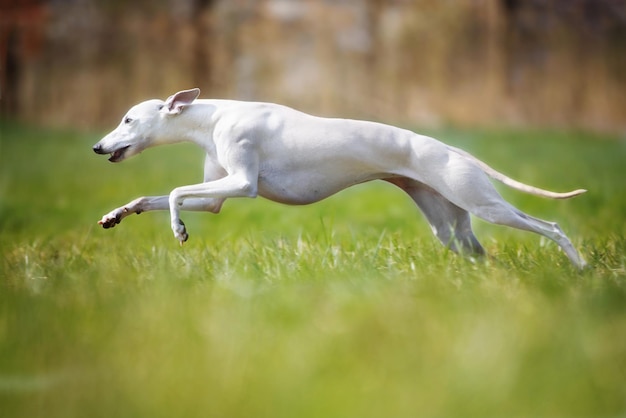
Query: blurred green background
x: 345, y: 308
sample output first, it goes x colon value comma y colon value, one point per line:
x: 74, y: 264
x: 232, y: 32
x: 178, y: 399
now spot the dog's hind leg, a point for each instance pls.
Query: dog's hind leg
x: 503, y: 213
x: 450, y: 224
x: 469, y: 188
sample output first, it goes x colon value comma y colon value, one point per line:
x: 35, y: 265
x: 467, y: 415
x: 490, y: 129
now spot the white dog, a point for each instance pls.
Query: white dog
x: 295, y: 158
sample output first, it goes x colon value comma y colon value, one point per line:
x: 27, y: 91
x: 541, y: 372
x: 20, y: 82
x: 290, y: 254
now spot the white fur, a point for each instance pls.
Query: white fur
x: 295, y: 158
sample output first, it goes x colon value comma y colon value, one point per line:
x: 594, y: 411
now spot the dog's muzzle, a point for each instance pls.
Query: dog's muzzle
x: 116, y: 155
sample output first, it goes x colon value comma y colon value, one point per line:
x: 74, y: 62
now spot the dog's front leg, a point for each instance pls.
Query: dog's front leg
x: 137, y: 206
x: 150, y: 203
x: 230, y: 186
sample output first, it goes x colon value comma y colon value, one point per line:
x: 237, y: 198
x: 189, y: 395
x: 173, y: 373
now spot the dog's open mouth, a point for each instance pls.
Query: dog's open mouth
x: 118, y: 155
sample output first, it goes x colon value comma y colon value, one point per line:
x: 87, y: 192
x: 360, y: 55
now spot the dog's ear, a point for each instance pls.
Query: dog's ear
x: 176, y: 102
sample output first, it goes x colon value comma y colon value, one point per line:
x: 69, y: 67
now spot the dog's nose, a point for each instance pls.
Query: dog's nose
x: 97, y: 149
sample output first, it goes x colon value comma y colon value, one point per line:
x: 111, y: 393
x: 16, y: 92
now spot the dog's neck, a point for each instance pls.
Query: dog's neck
x: 195, y: 123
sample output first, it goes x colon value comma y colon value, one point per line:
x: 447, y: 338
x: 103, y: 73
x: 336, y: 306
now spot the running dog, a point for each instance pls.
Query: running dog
x: 263, y: 149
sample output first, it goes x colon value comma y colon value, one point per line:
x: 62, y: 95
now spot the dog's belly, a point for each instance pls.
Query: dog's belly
x: 294, y: 192
x: 303, y: 189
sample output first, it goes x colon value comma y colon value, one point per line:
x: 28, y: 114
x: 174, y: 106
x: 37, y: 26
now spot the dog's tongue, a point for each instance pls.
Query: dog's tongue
x: 116, y: 155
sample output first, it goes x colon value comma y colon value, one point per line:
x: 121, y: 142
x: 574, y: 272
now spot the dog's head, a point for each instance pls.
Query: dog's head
x: 143, y: 126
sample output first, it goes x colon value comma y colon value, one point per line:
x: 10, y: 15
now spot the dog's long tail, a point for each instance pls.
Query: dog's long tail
x: 514, y: 183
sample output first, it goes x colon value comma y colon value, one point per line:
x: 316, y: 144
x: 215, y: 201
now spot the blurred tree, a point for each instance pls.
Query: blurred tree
x: 202, y: 23
x: 21, y: 35
x: 197, y: 17
x: 560, y: 54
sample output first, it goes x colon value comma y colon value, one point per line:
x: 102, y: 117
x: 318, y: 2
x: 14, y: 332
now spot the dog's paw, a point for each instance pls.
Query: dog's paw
x: 111, y: 219
x: 180, y: 232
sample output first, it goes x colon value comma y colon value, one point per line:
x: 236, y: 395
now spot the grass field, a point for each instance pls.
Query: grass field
x: 345, y: 308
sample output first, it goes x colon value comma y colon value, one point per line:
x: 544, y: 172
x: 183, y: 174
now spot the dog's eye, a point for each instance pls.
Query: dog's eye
x: 128, y: 120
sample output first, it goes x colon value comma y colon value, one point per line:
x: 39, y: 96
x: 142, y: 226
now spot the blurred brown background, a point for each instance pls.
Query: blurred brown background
x: 550, y: 63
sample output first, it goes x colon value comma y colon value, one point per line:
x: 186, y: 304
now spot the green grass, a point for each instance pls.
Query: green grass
x: 345, y: 308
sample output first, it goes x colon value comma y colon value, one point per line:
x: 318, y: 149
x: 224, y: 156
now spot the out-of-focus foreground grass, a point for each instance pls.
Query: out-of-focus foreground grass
x: 346, y: 308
